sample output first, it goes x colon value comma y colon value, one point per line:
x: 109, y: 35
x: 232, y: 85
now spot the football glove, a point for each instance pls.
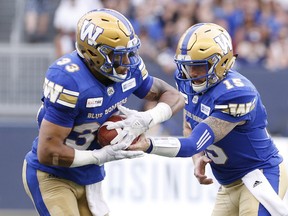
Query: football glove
x: 114, y: 152
x: 135, y: 124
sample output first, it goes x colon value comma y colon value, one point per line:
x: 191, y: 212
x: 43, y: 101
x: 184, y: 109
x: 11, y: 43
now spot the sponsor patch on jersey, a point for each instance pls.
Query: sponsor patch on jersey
x: 129, y: 84
x: 94, y: 102
x: 205, y: 109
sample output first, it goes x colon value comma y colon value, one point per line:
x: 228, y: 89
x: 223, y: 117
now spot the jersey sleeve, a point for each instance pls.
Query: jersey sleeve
x: 146, y: 83
x: 235, y: 106
x: 61, y: 95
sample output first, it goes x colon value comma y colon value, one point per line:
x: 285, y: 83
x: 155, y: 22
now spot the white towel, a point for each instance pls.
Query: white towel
x: 262, y: 190
x: 96, y: 203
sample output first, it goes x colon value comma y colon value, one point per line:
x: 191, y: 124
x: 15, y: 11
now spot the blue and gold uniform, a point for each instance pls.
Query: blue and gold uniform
x: 225, y: 121
x: 216, y: 96
x: 61, y: 174
x: 246, y: 147
x: 74, y: 98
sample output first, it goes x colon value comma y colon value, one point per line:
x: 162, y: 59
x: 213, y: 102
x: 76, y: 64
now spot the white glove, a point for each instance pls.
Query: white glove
x: 135, y: 124
x: 114, y: 152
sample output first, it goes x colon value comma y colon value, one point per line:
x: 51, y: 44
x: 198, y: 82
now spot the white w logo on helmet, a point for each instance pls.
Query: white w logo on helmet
x: 224, y: 42
x: 90, y: 30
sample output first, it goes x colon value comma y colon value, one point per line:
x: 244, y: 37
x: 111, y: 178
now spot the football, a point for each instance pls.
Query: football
x: 105, y: 136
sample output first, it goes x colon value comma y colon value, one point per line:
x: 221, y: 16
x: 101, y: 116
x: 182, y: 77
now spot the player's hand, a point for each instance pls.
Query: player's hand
x: 199, y: 170
x: 142, y: 144
x: 114, y: 152
x: 136, y: 123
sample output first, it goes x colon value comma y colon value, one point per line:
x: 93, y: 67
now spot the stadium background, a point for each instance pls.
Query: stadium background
x: 150, y: 185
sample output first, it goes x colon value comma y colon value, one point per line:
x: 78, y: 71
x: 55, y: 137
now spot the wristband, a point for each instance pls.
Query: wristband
x: 150, y: 147
x: 165, y: 146
x: 82, y: 158
x: 160, y: 113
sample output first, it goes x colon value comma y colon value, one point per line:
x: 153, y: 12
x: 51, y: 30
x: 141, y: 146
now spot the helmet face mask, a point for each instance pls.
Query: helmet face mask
x: 201, y: 82
x: 107, y: 42
x: 119, y: 57
x: 207, y: 47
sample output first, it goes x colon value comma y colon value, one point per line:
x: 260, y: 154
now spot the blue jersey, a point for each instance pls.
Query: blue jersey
x: 246, y: 147
x: 74, y: 98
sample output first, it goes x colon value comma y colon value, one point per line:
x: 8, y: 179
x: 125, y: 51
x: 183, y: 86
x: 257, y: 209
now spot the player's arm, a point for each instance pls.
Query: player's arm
x: 206, y: 133
x: 51, y: 147
x: 199, y: 160
x: 169, y: 101
x: 53, y: 151
x: 219, y: 127
x: 162, y: 92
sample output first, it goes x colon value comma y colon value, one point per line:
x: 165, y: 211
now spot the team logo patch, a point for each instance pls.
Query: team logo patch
x: 110, y: 91
x: 195, y: 99
x: 94, y: 102
x: 129, y: 84
x: 205, y: 109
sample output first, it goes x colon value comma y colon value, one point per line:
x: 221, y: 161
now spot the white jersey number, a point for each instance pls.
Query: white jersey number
x: 216, y: 154
x: 87, y: 135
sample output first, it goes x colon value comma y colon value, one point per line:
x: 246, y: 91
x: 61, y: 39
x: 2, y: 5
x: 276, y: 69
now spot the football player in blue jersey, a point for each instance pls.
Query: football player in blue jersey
x: 225, y: 126
x: 62, y: 174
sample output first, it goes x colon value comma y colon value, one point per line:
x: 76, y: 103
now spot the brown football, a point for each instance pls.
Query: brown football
x: 105, y: 136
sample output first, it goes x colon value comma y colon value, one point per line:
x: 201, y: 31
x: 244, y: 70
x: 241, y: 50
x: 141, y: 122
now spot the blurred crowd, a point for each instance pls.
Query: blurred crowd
x: 259, y: 28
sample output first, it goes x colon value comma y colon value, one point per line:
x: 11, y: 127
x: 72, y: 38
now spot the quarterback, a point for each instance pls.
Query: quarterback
x: 62, y: 173
x: 225, y: 126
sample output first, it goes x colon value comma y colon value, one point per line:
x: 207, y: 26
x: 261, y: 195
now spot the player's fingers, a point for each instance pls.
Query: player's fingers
x: 206, y: 160
x: 206, y: 181
x: 133, y: 154
x: 128, y: 139
x: 203, y: 179
x: 125, y: 110
x: 114, y: 125
x: 119, y: 137
x: 200, y: 176
x: 118, y: 146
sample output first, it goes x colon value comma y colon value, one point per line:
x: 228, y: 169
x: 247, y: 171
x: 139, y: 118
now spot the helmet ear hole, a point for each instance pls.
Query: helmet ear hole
x: 224, y: 63
x: 231, y: 62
